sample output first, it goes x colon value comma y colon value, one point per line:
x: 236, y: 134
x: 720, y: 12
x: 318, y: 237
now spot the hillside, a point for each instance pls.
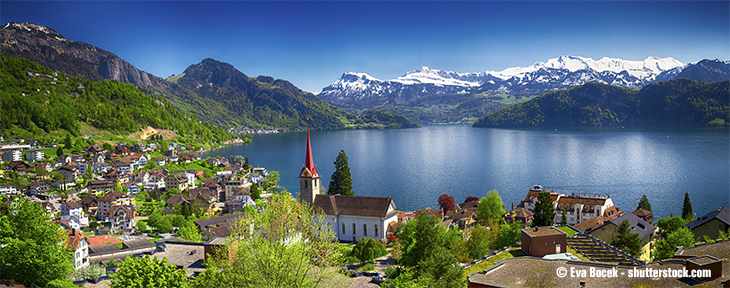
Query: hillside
x: 37, y: 100
x: 229, y: 99
x: 678, y: 102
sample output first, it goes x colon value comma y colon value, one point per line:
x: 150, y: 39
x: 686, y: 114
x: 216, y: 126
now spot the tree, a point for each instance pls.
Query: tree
x: 644, y: 203
x: 274, y: 178
x: 544, y: 213
x: 118, y: 187
x: 509, y: 234
x: 667, y: 247
x: 255, y: 191
x: 67, y: 142
x: 148, y: 272
x: 288, y: 246
x: 671, y: 223
x: 59, y: 151
x: 491, y: 207
x: 107, y: 146
x: 141, y: 226
x: 564, y: 216
x: 446, y: 202
x: 90, y: 272
x: 185, y: 210
x: 190, y: 232
x: 341, y: 182
x: 245, y: 163
x: 627, y: 241
x: 32, y: 245
x: 479, y: 242
x: 687, y: 213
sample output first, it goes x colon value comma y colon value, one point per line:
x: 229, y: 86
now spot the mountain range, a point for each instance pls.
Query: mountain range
x: 462, y: 96
x: 214, y: 91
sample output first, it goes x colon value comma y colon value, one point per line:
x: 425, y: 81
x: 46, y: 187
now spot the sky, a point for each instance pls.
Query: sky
x: 312, y: 43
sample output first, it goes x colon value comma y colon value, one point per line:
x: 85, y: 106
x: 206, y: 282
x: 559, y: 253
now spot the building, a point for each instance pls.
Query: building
x: 100, y: 186
x: 519, y: 215
x: 78, y: 245
x: 354, y: 217
x: 218, y: 226
x: 577, y: 207
x: 69, y: 172
x: 8, y: 189
x: 112, y: 198
x: 644, y: 214
x: 121, y: 218
x: 11, y: 155
x: 541, y: 241
x: 608, y: 231
x: 309, y: 183
x: 73, y: 212
x: 177, y: 181
x: 34, y: 155
x: 711, y: 224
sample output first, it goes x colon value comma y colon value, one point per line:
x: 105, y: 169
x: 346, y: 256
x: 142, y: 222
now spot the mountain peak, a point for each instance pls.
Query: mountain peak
x: 33, y: 30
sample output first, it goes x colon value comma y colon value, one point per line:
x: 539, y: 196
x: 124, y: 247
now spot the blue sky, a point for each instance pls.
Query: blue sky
x: 312, y: 43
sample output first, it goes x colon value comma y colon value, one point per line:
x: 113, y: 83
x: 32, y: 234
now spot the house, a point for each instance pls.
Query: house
x: 354, y: 217
x: 100, y: 186
x: 12, y: 155
x: 89, y: 202
x: 177, y: 181
x: 73, y: 212
x: 519, y: 215
x: 190, y: 156
x: 541, y: 241
x: 231, y: 185
x: 260, y: 171
x: 38, y: 188
x: 177, y: 199
x: 405, y: 216
x: 78, y: 245
x: 160, y: 161
x: 132, y: 188
x: 63, y: 159
x: 577, y: 207
x: 69, y: 172
x: 241, y: 198
x: 711, y: 223
x: 63, y: 184
x: 189, y: 177
x: 34, y: 155
x: 101, y: 167
x: 9, y: 189
x: 121, y: 218
x: 218, y: 226
x: 112, y: 198
x: 98, y: 158
x: 123, y: 149
x: 218, y: 161
x: 82, y: 167
x: 19, y: 166
x: 78, y: 158
x: 94, y: 149
x: 464, y: 218
x: 202, y: 201
x: 608, y: 231
x: 45, y: 165
x: 647, y: 215
x: 470, y: 206
x: 215, y: 188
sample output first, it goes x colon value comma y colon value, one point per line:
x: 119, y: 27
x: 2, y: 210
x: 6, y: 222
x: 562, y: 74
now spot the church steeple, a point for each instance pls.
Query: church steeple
x: 309, y: 184
x: 309, y: 170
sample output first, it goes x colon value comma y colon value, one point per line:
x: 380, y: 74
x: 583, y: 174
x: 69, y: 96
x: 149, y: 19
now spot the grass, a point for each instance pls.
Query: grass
x: 568, y: 230
x: 118, y: 245
x: 577, y: 254
x: 511, y: 253
x: 174, y: 79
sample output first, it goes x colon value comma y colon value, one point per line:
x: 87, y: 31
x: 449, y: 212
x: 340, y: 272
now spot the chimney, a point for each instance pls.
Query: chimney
x: 536, y: 229
x: 513, y: 205
x: 582, y: 283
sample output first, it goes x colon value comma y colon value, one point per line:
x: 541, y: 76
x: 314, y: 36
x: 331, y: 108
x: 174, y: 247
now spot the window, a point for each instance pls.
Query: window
x: 376, y: 229
x: 305, y: 183
x: 364, y: 229
x: 343, y: 228
x: 354, y: 229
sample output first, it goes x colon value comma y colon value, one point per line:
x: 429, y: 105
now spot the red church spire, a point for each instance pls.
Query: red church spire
x: 309, y: 170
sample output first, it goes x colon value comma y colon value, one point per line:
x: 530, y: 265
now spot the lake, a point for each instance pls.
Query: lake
x: 415, y: 166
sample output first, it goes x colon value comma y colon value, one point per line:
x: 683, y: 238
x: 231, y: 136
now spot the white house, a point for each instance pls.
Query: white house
x: 11, y: 155
x: 73, y: 213
x: 34, y: 155
x: 8, y: 189
x: 355, y: 217
x: 578, y: 208
x: 79, y: 247
x: 121, y: 218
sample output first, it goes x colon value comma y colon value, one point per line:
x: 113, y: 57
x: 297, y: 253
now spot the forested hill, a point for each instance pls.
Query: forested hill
x: 677, y: 102
x: 37, y: 99
x: 228, y: 99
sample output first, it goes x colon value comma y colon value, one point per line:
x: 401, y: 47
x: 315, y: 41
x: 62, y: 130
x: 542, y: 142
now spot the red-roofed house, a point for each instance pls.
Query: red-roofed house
x: 79, y: 246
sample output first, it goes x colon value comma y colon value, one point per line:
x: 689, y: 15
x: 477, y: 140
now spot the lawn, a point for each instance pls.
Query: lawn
x: 511, y: 253
x: 577, y: 254
x: 568, y: 230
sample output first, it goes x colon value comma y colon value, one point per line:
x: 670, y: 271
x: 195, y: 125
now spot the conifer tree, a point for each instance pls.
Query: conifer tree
x: 544, y: 212
x: 687, y: 208
x: 644, y: 203
x: 255, y: 192
x: 341, y: 182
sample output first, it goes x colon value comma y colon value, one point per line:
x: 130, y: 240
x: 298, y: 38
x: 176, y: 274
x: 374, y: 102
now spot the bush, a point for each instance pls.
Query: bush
x: 91, y: 271
x: 61, y: 283
x: 111, y: 263
x: 368, y: 267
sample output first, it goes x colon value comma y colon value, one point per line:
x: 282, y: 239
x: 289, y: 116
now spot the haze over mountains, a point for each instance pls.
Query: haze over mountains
x: 421, y: 90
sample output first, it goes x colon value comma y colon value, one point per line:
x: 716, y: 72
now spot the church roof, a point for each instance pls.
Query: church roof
x: 309, y: 170
x: 355, y: 205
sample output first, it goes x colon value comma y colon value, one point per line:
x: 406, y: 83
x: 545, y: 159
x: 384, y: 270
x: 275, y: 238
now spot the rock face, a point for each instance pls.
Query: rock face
x: 47, y: 47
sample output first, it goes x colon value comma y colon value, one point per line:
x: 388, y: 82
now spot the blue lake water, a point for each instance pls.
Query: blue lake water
x: 415, y: 166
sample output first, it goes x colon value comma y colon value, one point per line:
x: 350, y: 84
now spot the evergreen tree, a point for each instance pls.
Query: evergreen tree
x: 564, y: 217
x: 255, y: 192
x: 544, y: 212
x: 627, y: 241
x: 667, y: 247
x: 59, y: 151
x: 67, y: 142
x: 341, y: 182
x: 245, y: 163
x: 687, y: 208
x: 644, y: 203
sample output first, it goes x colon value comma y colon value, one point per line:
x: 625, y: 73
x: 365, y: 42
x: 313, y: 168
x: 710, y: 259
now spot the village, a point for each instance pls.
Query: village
x: 143, y: 199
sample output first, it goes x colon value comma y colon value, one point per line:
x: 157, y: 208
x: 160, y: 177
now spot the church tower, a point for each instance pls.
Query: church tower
x: 309, y: 184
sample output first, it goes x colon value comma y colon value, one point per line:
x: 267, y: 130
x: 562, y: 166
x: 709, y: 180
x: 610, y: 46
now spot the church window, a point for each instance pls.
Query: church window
x: 305, y: 183
x: 364, y: 229
x: 354, y: 229
x: 343, y: 228
x: 376, y: 229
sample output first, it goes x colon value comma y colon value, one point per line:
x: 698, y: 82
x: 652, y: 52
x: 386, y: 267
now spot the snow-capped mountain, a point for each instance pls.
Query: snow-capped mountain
x: 360, y: 90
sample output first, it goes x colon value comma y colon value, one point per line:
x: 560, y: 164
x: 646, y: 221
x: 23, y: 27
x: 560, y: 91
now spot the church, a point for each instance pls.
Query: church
x: 351, y: 217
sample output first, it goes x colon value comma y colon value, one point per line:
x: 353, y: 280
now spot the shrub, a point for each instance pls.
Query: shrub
x: 91, y: 271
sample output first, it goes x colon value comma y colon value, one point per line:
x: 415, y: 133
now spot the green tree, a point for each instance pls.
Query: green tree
x: 189, y: 231
x: 32, y: 245
x: 671, y: 223
x: 509, y: 234
x: 644, y: 203
x: 491, y: 207
x: 59, y: 151
x: 627, y: 241
x: 90, y: 272
x: 67, y: 142
x: 341, y: 182
x: 288, y: 246
x: 687, y: 213
x: 564, y: 216
x: 245, y: 163
x: 255, y: 191
x: 479, y: 242
x: 185, y: 210
x: 107, y: 146
x: 667, y: 247
x: 544, y: 212
x: 141, y: 226
x: 118, y: 187
x: 274, y: 178
x: 147, y: 272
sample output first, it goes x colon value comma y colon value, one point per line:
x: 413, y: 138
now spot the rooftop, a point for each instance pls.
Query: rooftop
x: 189, y: 256
x: 543, y: 231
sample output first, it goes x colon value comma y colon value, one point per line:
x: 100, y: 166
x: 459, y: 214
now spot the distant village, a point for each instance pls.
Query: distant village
x: 101, y: 195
